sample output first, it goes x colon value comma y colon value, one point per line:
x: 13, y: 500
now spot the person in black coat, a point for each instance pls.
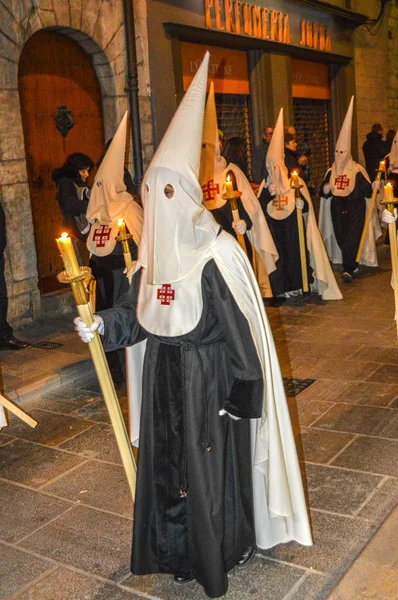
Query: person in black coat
x: 73, y: 193
x: 374, y: 150
x: 259, y: 169
x: 7, y: 339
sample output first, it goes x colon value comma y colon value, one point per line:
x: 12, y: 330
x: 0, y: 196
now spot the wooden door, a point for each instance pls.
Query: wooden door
x: 55, y: 71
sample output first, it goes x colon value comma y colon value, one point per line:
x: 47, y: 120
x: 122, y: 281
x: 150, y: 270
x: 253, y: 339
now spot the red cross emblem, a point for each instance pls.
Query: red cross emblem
x: 102, y: 235
x: 166, y: 294
x: 208, y: 190
x: 280, y: 201
x: 341, y: 182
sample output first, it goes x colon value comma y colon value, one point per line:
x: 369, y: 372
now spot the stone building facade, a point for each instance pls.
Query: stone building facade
x: 98, y: 27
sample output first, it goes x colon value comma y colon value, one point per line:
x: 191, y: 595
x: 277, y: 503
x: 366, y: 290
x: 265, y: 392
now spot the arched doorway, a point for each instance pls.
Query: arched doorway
x: 54, y: 72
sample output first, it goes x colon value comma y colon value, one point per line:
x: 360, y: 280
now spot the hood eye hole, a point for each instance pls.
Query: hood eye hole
x: 148, y: 189
x: 169, y: 191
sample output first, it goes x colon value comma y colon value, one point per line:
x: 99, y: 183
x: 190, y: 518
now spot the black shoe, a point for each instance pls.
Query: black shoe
x: 13, y: 344
x: 246, y: 558
x: 347, y: 277
x: 182, y: 579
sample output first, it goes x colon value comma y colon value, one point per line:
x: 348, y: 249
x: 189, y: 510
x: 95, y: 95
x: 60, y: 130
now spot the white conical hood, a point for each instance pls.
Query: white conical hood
x: 178, y: 231
x: 393, y: 156
x: 108, y: 196
x: 343, y: 146
x: 212, y: 164
x: 277, y: 170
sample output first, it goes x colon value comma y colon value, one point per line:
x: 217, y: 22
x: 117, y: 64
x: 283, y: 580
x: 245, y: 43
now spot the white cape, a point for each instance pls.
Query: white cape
x: 279, y: 503
x: 325, y: 281
x: 3, y: 418
x: 369, y: 253
x: 259, y: 235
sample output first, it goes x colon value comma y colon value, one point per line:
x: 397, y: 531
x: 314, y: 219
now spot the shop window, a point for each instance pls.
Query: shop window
x: 233, y: 119
x: 311, y: 120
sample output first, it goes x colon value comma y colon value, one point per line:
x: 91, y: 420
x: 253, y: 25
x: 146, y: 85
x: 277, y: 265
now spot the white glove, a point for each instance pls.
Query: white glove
x: 240, y: 227
x: 223, y: 412
x: 85, y: 332
x: 300, y: 203
x: 376, y: 185
x: 387, y: 217
x: 326, y: 188
x: 272, y: 189
x: 129, y: 274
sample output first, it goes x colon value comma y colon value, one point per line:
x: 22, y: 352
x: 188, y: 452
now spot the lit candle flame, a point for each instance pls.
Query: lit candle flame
x: 228, y: 178
x: 294, y: 173
x: 120, y: 221
x: 64, y: 235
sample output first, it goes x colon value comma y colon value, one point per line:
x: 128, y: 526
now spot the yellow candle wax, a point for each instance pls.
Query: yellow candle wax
x: 122, y: 228
x: 388, y: 195
x: 295, y: 178
x: 228, y: 186
x: 382, y: 165
x: 68, y: 255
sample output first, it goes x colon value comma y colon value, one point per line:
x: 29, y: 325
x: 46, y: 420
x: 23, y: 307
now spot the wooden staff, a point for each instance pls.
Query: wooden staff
x: 124, y: 237
x: 369, y: 215
x: 389, y: 202
x: 17, y: 410
x: 75, y: 275
x: 294, y: 183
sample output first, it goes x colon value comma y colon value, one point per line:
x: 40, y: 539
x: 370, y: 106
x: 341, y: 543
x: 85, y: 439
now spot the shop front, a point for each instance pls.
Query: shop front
x: 264, y: 55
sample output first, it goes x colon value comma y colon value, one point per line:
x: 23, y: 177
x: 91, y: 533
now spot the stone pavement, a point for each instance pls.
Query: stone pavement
x: 55, y: 358
x: 66, y: 514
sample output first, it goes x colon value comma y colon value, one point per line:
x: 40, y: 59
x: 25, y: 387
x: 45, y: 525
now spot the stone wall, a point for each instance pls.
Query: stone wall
x: 372, y: 79
x: 98, y: 26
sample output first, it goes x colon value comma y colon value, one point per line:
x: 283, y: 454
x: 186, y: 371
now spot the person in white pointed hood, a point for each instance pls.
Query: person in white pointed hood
x: 109, y: 202
x: 392, y: 169
x: 278, y: 202
x: 218, y: 470
x: 214, y: 170
x: 345, y: 194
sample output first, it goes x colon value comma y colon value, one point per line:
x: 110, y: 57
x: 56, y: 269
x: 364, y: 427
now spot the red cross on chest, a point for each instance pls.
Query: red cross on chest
x: 280, y: 202
x: 166, y: 294
x: 102, y: 235
x: 208, y: 190
x: 341, y: 182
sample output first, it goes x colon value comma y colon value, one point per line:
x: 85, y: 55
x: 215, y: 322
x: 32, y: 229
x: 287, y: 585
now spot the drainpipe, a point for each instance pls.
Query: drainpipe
x: 132, y: 90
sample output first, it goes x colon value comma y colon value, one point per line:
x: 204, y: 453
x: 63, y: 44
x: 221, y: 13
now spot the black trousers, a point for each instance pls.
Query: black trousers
x: 5, y: 328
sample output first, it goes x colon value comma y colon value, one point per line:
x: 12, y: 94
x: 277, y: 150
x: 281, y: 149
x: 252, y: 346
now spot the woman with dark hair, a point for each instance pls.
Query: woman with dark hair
x: 235, y: 152
x: 73, y: 193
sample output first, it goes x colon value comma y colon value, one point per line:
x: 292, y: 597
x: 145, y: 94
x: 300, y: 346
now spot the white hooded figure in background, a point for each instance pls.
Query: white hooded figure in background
x: 392, y: 176
x: 109, y: 202
x: 213, y: 173
x: 345, y: 195
x: 218, y: 471
x: 278, y: 202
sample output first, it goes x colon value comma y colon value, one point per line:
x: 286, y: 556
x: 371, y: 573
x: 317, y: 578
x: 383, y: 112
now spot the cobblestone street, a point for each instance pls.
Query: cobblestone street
x: 66, y: 519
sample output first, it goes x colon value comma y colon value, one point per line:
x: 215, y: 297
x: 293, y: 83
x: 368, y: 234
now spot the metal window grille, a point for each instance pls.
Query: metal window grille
x: 234, y: 120
x: 311, y: 120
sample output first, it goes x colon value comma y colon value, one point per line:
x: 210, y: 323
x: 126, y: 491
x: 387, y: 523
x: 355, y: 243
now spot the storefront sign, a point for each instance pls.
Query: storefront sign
x: 234, y: 16
x: 310, y: 80
x: 227, y: 69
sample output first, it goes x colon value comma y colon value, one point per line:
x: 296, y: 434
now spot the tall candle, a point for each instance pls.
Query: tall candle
x: 228, y: 186
x: 388, y: 195
x: 294, y: 178
x: 122, y: 228
x: 68, y: 254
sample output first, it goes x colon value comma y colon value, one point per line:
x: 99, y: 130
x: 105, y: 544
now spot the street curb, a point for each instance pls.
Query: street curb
x: 50, y: 383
